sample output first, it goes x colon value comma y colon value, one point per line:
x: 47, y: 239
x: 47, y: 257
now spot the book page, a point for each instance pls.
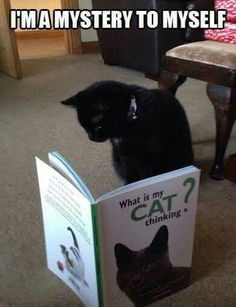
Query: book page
x: 68, y: 233
x: 146, y: 239
x: 63, y: 167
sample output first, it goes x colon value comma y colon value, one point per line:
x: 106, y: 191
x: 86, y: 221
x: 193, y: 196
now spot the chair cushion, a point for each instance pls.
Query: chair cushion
x: 208, y: 52
x: 226, y: 35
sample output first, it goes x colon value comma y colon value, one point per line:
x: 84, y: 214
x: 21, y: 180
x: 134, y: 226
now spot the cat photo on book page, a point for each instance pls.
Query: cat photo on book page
x: 148, y: 274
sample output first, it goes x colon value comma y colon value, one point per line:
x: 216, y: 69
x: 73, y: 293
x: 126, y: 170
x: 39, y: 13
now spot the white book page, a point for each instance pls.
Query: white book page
x: 62, y: 166
x: 68, y: 233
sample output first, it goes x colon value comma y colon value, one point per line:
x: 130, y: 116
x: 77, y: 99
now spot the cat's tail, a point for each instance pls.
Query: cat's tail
x: 177, y: 82
x: 74, y: 237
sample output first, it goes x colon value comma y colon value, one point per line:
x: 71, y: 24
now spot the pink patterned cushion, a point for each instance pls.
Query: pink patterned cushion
x: 229, y: 5
x: 226, y: 35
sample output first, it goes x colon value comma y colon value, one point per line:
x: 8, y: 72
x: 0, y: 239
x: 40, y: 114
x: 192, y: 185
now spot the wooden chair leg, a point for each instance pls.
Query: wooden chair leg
x: 224, y: 101
x: 170, y: 81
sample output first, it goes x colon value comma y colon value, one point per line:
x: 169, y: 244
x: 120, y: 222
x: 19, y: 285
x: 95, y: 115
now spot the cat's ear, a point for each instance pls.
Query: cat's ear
x: 123, y: 255
x: 74, y: 237
x: 70, y: 102
x: 159, y: 244
x: 63, y: 249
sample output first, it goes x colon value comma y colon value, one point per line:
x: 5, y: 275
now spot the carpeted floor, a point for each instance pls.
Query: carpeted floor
x: 32, y: 122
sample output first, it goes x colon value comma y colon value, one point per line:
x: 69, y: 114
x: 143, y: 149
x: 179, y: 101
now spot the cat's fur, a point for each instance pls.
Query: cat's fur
x: 147, y: 275
x: 152, y: 140
x: 74, y: 262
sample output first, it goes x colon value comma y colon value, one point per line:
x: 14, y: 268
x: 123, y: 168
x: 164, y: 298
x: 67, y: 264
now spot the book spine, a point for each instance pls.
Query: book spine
x: 97, y: 254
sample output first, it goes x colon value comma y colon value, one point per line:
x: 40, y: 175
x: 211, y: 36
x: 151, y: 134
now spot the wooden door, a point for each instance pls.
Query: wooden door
x: 9, y: 56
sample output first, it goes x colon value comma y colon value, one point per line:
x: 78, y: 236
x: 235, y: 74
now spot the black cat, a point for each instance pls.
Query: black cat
x: 147, y: 128
x: 147, y: 275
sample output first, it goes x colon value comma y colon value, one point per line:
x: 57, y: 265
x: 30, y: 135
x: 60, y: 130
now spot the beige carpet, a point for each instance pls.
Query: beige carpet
x: 32, y: 122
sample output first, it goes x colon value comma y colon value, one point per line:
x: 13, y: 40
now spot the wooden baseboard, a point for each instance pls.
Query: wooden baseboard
x: 90, y: 47
x: 39, y: 34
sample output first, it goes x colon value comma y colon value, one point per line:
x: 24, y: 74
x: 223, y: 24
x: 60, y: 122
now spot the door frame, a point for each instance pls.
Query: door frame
x: 11, y: 64
x: 72, y: 38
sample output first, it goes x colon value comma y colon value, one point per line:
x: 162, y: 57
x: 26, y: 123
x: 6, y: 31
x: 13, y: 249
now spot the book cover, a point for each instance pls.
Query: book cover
x: 132, y: 246
x: 147, y: 239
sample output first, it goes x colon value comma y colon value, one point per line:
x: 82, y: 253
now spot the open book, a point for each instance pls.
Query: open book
x: 130, y: 246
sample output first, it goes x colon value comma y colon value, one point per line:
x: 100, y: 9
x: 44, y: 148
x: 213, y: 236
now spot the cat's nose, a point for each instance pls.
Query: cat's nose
x: 97, y: 131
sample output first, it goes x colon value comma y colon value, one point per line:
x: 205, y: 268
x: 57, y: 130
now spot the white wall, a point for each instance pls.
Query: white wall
x: 91, y: 34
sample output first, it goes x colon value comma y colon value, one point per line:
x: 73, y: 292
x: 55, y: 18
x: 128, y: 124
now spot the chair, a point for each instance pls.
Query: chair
x: 215, y: 63
x: 144, y: 50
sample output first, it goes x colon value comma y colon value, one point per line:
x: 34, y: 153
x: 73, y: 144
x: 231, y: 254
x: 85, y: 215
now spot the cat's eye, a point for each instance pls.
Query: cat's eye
x: 150, y: 264
x: 97, y: 120
x: 101, y: 106
x: 104, y: 104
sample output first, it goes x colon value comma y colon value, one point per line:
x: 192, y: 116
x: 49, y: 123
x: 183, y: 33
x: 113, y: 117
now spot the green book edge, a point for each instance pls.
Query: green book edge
x: 97, y: 254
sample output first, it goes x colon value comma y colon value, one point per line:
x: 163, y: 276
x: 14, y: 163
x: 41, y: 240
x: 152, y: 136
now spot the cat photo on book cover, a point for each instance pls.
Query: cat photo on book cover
x: 148, y: 275
x: 73, y: 262
x: 148, y: 128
